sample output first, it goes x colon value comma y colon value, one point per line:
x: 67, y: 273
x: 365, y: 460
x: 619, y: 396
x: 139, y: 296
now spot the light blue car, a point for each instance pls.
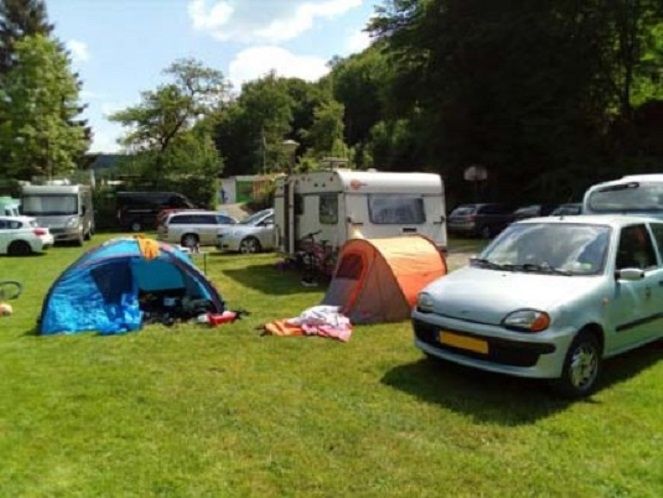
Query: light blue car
x: 550, y: 298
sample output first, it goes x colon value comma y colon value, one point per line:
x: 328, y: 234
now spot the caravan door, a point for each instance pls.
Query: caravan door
x: 321, y: 214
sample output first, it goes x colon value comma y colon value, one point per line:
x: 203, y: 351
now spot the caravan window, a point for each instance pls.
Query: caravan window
x: 328, y: 209
x: 50, y: 204
x: 628, y: 198
x: 396, y: 209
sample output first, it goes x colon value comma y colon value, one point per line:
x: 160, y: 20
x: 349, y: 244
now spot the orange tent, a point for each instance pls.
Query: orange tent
x: 377, y: 280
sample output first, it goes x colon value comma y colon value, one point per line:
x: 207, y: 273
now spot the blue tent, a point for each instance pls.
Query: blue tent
x: 100, y: 291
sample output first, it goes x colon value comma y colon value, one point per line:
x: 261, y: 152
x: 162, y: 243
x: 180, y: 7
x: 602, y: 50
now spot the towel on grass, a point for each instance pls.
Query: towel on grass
x: 323, y: 321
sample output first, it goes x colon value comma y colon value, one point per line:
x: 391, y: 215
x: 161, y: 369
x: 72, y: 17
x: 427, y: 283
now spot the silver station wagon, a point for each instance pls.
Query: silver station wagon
x: 550, y: 298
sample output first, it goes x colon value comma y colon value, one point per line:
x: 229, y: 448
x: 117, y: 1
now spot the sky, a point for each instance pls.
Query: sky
x: 120, y: 47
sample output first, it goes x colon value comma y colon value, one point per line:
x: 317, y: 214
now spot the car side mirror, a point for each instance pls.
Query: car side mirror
x: 84, y: 210
x: 630, y: 274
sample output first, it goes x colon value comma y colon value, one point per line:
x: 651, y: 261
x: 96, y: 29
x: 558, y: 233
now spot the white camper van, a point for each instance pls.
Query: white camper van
x: 342, y: 204
x: 65, y: 209
x: 634, y: 194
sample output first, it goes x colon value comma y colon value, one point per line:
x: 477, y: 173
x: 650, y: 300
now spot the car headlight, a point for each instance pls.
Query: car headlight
x: 425, y: 302
x: 72, y: 222
x: 527, y: 320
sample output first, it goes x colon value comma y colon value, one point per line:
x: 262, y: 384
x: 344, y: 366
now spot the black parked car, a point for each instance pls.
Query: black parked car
x: 534, y: 211
x: 138, y: 211
x: 480, y: 220
x: 570, y: 209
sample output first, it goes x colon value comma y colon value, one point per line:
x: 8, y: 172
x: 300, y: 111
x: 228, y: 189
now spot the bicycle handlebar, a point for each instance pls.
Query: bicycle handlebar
x: 311, y: 235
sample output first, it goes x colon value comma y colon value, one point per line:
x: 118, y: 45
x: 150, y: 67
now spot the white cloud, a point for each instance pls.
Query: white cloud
x: 255, y: 62
x: 357, y: 42
x: 212, y: 18
x: 261, y: 21
x: 104, y: 138
x: 79, y: 50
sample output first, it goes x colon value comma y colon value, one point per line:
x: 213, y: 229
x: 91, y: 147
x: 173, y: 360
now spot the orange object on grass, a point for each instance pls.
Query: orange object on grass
x: 283, y: 328
x: 377, y: 280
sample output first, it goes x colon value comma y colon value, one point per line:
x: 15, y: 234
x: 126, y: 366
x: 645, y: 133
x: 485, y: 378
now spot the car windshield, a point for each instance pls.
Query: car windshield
x: 628, y: 197
x: 52, y: 204
x: 254, y: 218
x: 463, y: 211
x: 566, y: 209
x: 527, y: 210
x: 556, y: 248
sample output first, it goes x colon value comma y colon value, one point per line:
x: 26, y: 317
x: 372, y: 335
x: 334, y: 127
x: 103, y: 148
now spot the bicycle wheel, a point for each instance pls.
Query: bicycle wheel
x: 10, y: 289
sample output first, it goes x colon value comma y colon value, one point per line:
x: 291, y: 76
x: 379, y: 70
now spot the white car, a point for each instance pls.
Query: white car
x: 550, y: 298
x: 20, y: 235
x: 193, y: 228
x: 251, y: 235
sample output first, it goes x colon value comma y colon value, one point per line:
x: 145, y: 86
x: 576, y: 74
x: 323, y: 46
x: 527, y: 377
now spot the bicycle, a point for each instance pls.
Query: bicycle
x: 315, y: 258
x: 10, y: 289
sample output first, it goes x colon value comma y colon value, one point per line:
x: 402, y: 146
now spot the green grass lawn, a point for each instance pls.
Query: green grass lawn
x: 193, y: 411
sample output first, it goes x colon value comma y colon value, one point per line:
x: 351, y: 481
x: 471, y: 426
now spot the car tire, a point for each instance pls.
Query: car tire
x: 249, y: 245
x: 582, y: 367
x: 135, y: 226
x: 19, y: 248
x: 486, y: 232
x: 189, y: 240
x: 88, y: 235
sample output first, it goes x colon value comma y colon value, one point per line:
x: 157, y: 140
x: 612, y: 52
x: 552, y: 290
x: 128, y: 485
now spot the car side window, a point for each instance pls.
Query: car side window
x: 207, y: 219
x: 657, y: 230
x: 3, y: 225
x: 180, y: 220
x: 635, y: 248
x: 224, y: 220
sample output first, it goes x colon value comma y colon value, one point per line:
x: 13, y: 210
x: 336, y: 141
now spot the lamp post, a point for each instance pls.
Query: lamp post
x: 290, y: 147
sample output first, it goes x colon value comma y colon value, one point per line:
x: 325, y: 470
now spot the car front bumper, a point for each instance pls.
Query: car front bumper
x: 65, y: 234
x: 513, y: 353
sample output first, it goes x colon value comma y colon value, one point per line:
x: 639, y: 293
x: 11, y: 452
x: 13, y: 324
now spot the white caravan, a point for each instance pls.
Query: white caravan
x: 338, y: 205
x: 634, y: 194
x: 65, y: 210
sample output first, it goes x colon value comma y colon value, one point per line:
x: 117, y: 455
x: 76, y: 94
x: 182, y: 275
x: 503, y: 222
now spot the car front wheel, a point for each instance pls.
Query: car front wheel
x: 582, y: 366
x: 250, y: 245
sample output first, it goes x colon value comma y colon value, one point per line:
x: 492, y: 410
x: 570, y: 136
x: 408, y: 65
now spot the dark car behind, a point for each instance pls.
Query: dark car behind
x: 480, y: 220
x: 569, y: 209
x: 138, y: 211
x: 534, y: 211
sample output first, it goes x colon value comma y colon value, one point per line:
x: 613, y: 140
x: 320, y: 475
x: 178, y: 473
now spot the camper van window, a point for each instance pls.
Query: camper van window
x: 328, y: 209
x: 50, y: 205
x: 299, y: 204
x: 628, y: 197
x: 396, y: 209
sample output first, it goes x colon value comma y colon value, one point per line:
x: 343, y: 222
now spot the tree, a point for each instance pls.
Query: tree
x: 18, y: 19
x: 359, y: 83
x: 251, y: 133
x: 39, y: 133
x: 172, y: 110
x: 326, y: 132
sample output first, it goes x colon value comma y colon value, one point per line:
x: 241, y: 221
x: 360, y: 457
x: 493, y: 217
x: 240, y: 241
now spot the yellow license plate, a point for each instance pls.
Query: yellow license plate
x: 463, y: 342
